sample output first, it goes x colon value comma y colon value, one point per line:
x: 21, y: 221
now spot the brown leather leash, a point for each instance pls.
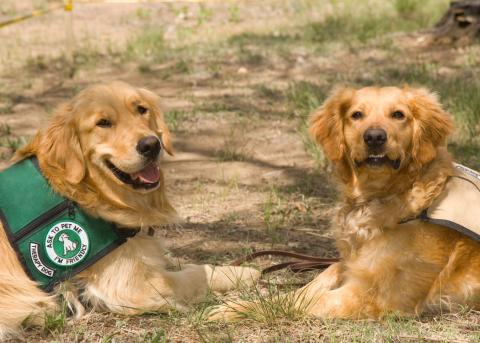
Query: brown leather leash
x: 304, y: 263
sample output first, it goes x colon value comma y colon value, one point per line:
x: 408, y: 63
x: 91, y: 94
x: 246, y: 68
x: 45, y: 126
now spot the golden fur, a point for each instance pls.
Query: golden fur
x: 387, y: 267
x: 136, y: 277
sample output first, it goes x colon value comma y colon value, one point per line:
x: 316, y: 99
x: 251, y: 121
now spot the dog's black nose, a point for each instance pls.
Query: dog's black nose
x: 149, y: 146
x: 375, y: 138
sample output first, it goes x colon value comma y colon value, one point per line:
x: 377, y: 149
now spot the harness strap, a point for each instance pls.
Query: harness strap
x: 123, y: 234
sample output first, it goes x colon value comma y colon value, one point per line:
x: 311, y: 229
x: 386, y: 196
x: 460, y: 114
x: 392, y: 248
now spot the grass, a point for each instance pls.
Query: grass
x: 175, y: 118
x: 270, y: 305
x: 273, y: 216
x: 148, y: 47
x: 362, y: 20
x: 292, y: 66
x: 260, y: 39
x: 9, y: 141
x: 235, y: 145
x: 55, y: 322
x: 351, y: 23
x: 303, y: 99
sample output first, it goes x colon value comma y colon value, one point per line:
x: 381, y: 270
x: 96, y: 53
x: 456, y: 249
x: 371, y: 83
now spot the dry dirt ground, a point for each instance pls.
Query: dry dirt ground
x: 238, y: 80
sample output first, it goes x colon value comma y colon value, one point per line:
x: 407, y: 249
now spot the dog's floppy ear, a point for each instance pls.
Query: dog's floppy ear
x: 432, y: 124
x: 60, y: 146
x: 326, y: 125
x: 162, y: 129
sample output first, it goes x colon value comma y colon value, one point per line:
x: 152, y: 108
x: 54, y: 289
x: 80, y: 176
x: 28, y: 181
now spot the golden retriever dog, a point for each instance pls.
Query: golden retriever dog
x: 103, y: 150
x: 387, y: 147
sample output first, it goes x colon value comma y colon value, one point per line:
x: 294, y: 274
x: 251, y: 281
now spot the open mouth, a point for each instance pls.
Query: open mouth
x: 380, y: 160
x: 146, y: 178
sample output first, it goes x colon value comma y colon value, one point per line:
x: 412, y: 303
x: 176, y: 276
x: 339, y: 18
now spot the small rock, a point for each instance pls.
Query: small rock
x: 242, y: 70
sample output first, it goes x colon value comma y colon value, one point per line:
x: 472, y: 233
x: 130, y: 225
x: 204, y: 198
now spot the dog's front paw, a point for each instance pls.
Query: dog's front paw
x: 225, y: 278
x: 228, y: 313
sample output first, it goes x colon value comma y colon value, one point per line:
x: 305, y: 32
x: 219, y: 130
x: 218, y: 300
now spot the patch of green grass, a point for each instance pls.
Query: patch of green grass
x: 6, y: 105
x: 55, y: 322
x: 273, y: 215
x: 144, y: 67
x: 229, y: 154
x: 175, y: 118
x: 250, y: 57
x: 240, y: 105
x: 348, y: 27
x: 179, y: 68
x: 143, y: 13
x: 87, y: 57
x: 110, y: 337
x: 148, y: 46
x: 407, y: 8
x: 361, y: 21
x: 304, y: 98
x: 234, y: 14
x: 261, y: 39
x: 270, y: 305
x: 5, y: 130
x: 156, y: 336
x: 231, y: 217
x: 9, y: 141
x: 204, y: 14
x: 395, y: 328
x: 270, y: 93
x: 311, y: 147
x: 216, y: 106
x: 14, y: 142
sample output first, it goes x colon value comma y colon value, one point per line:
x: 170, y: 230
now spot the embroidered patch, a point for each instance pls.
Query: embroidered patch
x: 67, y: 243
x: 37, y: 261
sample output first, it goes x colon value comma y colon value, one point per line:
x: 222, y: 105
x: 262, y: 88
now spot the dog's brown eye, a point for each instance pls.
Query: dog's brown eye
x: 141, y: 109
x: 104, y: 123
x: 398, y: 115
x: 357, y: 115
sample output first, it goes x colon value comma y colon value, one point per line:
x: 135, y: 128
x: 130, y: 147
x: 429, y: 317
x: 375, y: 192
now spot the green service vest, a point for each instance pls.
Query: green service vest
x: 53, y: 238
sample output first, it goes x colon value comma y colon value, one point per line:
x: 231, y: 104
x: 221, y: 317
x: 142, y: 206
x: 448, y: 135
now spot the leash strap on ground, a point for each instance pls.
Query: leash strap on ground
x: 305, y: 263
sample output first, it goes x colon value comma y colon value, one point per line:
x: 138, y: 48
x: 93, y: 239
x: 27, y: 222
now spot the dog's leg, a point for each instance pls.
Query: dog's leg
x: 457, y: 283
x: 21, y: 302
x: 134, y: 279
x: 225, y: 278
x: 304, y: 298
x: 145, y: 289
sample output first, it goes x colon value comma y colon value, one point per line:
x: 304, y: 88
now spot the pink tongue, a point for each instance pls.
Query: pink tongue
x: 149, y: 174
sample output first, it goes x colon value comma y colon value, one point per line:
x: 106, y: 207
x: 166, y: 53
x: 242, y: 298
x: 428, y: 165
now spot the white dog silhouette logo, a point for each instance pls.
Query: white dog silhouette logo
x: 68, y: 245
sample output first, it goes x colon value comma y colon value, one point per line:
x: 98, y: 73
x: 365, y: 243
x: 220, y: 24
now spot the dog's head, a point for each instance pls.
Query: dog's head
x: 62, y: 237
x: 381, y: 130
x: 113, y: 133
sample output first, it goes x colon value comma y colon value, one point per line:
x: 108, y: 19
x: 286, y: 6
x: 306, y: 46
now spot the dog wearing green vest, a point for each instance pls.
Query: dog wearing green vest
x: 78, y: 206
